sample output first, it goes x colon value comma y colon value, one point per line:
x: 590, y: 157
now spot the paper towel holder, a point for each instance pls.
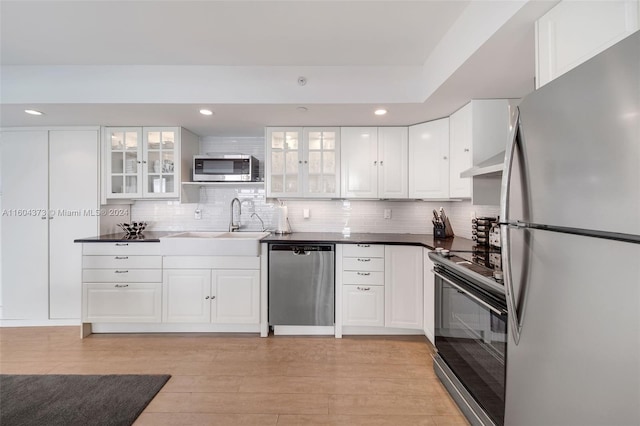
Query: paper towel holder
x: 283, y: 226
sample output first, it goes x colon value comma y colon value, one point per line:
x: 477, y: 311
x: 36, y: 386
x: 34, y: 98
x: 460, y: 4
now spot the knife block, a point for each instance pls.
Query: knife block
x: 446, y: 232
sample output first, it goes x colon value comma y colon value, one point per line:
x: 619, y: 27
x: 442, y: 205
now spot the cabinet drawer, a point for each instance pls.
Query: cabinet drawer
x: 122, y: 275
x: 363, y: 264
x: 121, y: 249
x: 132, y: 302
x: 119, y: 262
x: 360, y: 277
x: 363, y: 250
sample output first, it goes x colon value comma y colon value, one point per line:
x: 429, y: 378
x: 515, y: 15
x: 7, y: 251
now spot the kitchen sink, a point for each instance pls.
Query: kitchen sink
x: 194, y: 243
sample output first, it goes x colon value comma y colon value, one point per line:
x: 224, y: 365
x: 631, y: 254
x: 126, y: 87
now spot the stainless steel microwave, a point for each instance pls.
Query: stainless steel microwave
x: 225, y: 168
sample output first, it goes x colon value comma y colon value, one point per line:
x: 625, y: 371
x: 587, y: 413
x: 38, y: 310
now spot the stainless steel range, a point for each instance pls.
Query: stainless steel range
x: 471, y: 332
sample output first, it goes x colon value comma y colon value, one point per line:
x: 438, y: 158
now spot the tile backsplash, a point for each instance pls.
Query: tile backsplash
x: 413, y: 217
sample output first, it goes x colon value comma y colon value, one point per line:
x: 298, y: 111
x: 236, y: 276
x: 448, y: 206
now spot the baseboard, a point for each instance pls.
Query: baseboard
x: 303, y: 330
x: 38, y: 323
x: 380, y: 331
x: 172, y: 328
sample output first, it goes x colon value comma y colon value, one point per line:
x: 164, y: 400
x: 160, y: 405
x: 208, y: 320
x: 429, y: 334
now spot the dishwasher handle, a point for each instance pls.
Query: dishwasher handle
x: 301, y: 249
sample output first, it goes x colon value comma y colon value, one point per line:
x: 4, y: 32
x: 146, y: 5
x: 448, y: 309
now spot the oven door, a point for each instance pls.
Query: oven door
x: 471, y: 338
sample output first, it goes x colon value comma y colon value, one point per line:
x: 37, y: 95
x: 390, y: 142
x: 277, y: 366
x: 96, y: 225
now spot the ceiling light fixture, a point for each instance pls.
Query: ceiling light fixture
x: 206, y: 112
x: 33, y: 112
x: 302, y: 109
x: 380, y: 111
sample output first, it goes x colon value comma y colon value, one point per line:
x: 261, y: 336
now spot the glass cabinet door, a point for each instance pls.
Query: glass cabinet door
x: 285, y: 161
x: 160, y: 160
x: 321, y: 162
x: 123, y: 162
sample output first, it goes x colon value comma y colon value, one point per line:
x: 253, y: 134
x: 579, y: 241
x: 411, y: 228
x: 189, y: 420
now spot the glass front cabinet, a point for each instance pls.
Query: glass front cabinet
x: 303, y: 162
x: 142, y: 162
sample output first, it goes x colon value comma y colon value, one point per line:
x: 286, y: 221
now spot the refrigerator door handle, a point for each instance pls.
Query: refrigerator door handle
x: 514, y: 320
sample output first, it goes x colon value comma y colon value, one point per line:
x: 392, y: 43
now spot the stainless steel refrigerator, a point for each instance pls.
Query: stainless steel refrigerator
x: 571, y: 251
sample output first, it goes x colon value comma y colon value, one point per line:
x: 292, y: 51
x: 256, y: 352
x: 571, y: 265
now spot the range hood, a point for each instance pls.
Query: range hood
x: 490, y: 167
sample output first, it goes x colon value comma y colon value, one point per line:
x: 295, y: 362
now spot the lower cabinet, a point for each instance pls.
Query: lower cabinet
x: 429, y: 297
x: 216, y: 296
x: 403, y: 287
x: 122, y: 302
x: 363, y: 305
x: 382, y: 286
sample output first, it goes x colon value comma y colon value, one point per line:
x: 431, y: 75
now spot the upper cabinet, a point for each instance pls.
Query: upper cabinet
x: 303, y: 162
x: 479, y: 137
x: 374, y: 162
x: 574, y: 31
x: 429, y: 159
x: 147, y: 162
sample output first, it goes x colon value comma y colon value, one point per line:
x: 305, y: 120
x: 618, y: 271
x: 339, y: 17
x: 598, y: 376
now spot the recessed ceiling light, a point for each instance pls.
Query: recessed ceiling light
x: 33, y: 112
x: 206, y: 112
x: 302, y: 109
x: 380, y: 111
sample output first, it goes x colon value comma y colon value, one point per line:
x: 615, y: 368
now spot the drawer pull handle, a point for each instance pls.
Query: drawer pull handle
x: 122, y: 285
x: 364, y: 273
x: 364, y: 245
x: 364, y: 260
x: 122, y: 272
x: 122, y: 257
x: 364, y: 288
x: 121, y: 244
x: 206, y: 298
x: 213, y: 297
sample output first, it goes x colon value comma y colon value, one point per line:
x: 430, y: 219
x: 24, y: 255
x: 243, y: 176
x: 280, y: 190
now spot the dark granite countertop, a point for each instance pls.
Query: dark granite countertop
x: 146, y: 237
x: 425, y: 240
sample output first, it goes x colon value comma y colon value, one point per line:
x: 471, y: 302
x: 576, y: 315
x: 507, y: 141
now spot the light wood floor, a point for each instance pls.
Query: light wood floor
x: 245, y: 380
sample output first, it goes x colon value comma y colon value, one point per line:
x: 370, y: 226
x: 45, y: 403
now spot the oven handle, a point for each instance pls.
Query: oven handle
x: 474, y: 297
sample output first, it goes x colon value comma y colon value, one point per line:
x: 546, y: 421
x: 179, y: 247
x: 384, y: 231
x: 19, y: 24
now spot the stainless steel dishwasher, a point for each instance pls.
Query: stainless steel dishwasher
x: 301, y: 284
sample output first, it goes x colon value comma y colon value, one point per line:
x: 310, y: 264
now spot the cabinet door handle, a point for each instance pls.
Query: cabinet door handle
x: 122, y: 257
x: 122, y: 272
x: 144, y: 161
x: 364, y: 274
x: 381, y: 162
x: 299, y: 161
x: 444, y: 158
x: 139, y: 162
x: 375, y: 163
x: 122, y: 285
x: 43, y: 218
x: 206, y: 298
x: 364, y: 245
x: 50, y: 217
x: 466, y: 150
x: 364, y: 260
x: 121, y: 244
x: 213, y: 297
x: 364, y: 288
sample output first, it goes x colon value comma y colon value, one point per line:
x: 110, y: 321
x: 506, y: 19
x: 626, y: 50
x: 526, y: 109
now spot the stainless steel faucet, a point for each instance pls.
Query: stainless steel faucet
x: 254, y: 214
x: 232, y: 226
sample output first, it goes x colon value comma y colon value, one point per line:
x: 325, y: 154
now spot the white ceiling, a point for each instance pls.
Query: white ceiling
x: 356, y: 53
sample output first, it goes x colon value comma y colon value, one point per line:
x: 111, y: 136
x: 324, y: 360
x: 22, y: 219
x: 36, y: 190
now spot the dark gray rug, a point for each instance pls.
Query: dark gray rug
x: 112, y: 400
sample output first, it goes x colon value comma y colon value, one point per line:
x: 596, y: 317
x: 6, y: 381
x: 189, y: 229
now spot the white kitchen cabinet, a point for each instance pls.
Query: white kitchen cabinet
x: 460, y: 143
x: 363, y: 305
x: 218, y: 296
x: 129, y: 302
x: 429, y: 297
x: 43, y: 211
x: 235, y: 296
x: 186, y: 295
x: 479, y: 132
x: 147, y: 162
x: 363, y: 285
x: 403, y: 287
x: 374, y: 162
x: 574, y: 31
x: 429, y: 159
x: 121, y: 282
x: 303, y: 162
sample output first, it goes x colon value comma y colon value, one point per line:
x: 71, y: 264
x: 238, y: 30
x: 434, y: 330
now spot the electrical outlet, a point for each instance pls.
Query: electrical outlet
x: 197, y: 214
x: 306, y: 213
x: 387, y: 213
